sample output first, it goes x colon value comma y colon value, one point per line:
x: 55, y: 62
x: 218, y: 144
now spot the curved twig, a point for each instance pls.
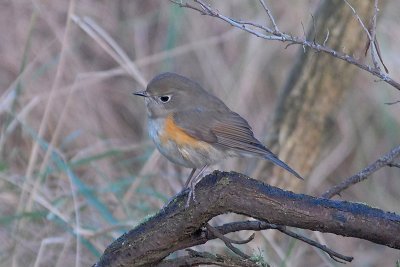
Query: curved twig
x: 214, y: 230
x: 259, y: 226
x: 333, y: 254
x: 228, y: 242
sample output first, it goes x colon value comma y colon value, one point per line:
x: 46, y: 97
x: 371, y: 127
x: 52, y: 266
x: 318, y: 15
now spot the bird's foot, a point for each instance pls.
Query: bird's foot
x: 191, y: 195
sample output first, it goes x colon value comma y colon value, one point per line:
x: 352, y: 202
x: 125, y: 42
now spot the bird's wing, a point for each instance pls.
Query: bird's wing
x: 226, y: 129
x: 220, y: 127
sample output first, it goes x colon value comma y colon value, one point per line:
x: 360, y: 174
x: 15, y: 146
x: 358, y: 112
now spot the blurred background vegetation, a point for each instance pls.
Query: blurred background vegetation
x: 77, y: 168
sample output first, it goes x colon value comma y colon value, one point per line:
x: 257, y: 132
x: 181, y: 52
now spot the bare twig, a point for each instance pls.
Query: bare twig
x: 359, y: 20
x: 334, y: 255
x: 392, y: 103
x: 396, y: 165
x: 228, y: 242
x: 196, y: 258
x: 260, y: 225
x: 372, y: 40
x: 218, y: 234
x: 364, y: 173
x: 378, y: 51
x: 276, y: 30
x: 256, y: 25
x: 304, y: 30
x: 373, y: 35
x: 314, y: 28
x: 181, y: 4
x: 267, y: 34
x: 375, y: 43
x: 326, y: 38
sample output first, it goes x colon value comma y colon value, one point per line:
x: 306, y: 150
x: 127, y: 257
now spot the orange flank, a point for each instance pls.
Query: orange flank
x: 175, y: 134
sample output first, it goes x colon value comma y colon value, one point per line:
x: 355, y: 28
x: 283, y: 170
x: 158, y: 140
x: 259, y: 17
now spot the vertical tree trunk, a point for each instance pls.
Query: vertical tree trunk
x: 315, y: 87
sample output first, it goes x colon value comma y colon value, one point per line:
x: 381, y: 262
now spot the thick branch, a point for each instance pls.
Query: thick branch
x: 175, y: 227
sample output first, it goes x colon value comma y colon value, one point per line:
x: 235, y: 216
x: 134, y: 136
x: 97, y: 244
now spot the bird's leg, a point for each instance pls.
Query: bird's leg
x: 189, y: 178
x: 193, y: 183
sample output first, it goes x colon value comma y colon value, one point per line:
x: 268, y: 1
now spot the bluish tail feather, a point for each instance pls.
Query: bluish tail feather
x: 282, y: 164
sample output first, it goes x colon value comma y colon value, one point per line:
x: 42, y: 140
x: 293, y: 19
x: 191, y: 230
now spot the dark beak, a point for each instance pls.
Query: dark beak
x: 141, y: 93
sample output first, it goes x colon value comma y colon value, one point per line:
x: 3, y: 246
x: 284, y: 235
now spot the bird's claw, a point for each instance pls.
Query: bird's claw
x: 191, y: 195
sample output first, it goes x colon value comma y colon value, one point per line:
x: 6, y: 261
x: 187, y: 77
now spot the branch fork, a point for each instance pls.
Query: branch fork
x: 222, y: 192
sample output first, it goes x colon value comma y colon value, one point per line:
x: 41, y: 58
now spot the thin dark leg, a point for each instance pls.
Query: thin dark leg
x: 193, y: 183
x: 189, y: 178
x: 198, y: 177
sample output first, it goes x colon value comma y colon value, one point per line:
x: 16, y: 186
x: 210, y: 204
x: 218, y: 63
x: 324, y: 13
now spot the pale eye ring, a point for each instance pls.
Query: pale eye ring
x: 165, y: 98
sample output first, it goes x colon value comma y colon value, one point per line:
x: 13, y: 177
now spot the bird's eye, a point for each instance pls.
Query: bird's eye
x: 165, y: 98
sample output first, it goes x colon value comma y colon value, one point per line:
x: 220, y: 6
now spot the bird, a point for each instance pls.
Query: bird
x: 195, y: 129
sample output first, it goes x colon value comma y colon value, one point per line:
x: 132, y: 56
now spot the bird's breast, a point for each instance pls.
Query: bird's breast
x: 179, y: 147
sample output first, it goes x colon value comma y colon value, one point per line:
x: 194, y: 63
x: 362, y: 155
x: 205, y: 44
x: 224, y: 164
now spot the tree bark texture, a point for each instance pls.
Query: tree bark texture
x: 315, y: 87
x: 176, y: 227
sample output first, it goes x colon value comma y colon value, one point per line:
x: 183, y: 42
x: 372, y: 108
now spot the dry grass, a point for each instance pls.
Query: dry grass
x: 77, y: 168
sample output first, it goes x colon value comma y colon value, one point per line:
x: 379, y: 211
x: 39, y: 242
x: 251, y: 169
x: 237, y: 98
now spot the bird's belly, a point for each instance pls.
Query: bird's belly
x: 181, y: 148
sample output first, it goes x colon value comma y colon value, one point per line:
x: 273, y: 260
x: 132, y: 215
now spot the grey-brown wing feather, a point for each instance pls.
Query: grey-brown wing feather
x: 226, y: 129
x: 223, y: 128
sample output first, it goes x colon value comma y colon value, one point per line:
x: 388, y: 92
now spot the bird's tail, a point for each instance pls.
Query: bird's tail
x: 272, y: 157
